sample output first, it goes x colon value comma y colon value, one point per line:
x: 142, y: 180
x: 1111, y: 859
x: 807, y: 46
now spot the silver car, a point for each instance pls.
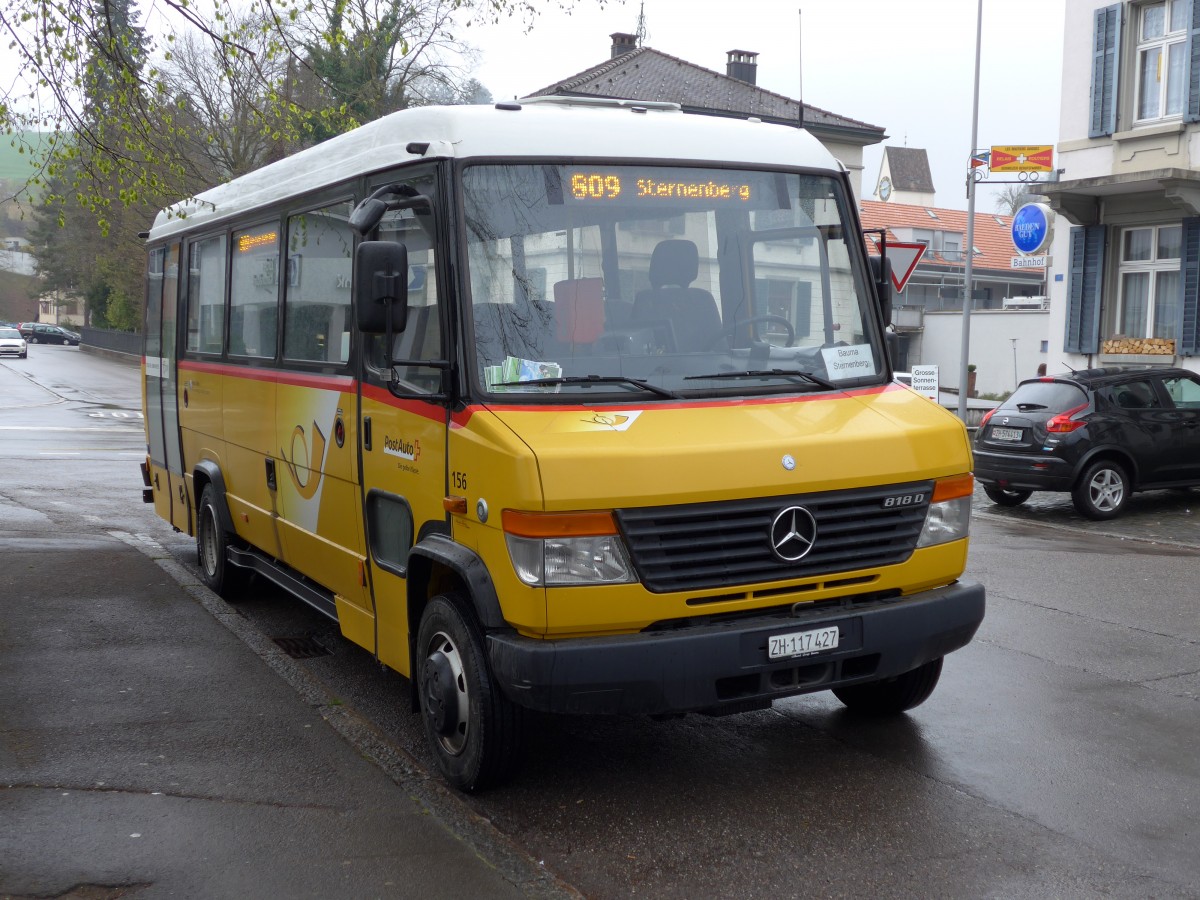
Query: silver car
x: 12, y: 344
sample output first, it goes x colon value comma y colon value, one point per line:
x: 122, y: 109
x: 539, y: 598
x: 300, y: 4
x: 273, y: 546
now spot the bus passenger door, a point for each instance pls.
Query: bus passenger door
x: 161, y: 388
x: 317, y: 487
x: 402, y: 432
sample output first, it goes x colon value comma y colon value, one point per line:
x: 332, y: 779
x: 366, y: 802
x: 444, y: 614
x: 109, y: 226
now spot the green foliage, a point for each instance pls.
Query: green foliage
x: 117, y: 123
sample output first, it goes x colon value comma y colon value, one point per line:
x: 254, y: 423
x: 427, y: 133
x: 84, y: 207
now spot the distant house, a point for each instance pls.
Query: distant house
x: 905, y: 177
x: 937, y: 282
x: 642, y: 73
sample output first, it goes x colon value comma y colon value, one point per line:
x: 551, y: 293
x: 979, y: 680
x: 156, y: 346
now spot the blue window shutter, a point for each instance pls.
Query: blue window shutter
x: 1106, y: 51
x: 1193, y: 58
x: 1189, y: 309
x: 1083, y: 290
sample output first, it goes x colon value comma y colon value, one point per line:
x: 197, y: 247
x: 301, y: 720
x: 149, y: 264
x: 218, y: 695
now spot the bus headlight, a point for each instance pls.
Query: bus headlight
x: 949, y: 515
x: 560, y: 549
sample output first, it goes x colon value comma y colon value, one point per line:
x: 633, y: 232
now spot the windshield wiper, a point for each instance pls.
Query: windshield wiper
x: 589, y: 380
x: 767, y: 373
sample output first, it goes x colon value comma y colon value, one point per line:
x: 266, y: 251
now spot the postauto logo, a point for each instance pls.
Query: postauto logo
x: 1031, y: 227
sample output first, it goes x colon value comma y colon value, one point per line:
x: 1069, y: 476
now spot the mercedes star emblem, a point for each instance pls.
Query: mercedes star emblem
x: 793, y: 533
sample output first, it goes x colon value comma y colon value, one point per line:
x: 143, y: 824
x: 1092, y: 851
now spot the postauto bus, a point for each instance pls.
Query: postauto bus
x: 560, y: 406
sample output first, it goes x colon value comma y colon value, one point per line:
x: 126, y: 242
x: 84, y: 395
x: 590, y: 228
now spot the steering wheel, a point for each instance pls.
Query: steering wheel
x: 729, y: 330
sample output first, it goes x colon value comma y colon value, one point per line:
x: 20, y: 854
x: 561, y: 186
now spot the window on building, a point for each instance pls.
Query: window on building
x: 1149, y: 281
x: 1161, y: 59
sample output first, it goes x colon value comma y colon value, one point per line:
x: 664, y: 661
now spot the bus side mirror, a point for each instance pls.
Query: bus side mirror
x: 881, y: 270
x: 381, y: 286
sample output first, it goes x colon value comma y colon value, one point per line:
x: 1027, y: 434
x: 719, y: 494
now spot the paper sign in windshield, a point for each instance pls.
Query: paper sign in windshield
x: 853, y: 361
x: 514, y: 371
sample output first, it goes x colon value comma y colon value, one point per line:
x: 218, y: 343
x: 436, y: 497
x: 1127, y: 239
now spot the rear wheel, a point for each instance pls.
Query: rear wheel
x: 1103, y: 490
x: 212, y: 540
x: 892, y: 695
x: 1002, y: 497
x: 475, y: 731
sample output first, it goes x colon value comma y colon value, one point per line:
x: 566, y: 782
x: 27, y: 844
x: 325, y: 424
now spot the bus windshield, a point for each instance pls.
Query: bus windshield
x: 665, y: 280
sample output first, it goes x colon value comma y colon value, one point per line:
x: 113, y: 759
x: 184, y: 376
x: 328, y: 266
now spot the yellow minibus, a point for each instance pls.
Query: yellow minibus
x: 560, y: 405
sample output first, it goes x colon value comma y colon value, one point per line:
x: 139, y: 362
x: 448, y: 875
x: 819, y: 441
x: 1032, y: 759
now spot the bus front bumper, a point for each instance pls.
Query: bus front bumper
x: 724, y: 667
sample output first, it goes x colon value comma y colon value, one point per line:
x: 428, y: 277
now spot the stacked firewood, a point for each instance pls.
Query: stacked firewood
x: 1155, y: 346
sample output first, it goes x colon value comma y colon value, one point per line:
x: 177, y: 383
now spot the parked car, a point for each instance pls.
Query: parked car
x: 12, y: 344
x: 1100, y: 434
x: 40, y: 333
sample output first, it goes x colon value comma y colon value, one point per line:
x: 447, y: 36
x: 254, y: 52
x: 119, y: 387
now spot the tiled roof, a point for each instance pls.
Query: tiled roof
x: 647, y: 74
x: 909, y: 168
x: 993, y: 233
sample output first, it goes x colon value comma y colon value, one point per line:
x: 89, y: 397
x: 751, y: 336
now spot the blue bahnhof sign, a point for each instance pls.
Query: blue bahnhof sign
x: 1031, y: 227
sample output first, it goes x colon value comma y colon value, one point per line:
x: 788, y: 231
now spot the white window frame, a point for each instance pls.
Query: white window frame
x: 1163, y: 44
x: 1153, y: 267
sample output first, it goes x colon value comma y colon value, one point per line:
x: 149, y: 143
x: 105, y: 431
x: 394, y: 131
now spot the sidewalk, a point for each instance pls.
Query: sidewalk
x: 148, y: 751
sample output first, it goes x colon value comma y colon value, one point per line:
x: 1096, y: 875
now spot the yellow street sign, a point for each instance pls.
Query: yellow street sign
x: 1023, y: 159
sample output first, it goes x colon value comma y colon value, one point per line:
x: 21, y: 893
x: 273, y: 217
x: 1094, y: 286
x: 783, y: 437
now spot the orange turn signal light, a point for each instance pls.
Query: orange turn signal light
x: 547, y: 525
x: 455, y: 505
x: 953, y: 487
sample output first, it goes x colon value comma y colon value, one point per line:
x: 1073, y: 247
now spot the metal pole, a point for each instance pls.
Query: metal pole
x: 968, y: 286
x: 1016, y: 374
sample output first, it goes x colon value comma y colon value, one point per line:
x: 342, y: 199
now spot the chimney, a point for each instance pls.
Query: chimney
x: 622, y: 43
x: 742, y: 65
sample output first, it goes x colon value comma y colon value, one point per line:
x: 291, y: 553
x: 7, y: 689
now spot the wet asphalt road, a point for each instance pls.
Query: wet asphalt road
x: 1056, y: 758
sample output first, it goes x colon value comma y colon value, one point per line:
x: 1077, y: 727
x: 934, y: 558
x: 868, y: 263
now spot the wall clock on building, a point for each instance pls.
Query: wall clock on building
x: 885, y: 188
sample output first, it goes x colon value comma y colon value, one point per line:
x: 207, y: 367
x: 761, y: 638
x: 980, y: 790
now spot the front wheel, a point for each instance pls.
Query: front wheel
x: 1102, y: 492
x: 1002, y: 497
x: 475, y: 731
x: 212, y: 540
x: 892, y: 695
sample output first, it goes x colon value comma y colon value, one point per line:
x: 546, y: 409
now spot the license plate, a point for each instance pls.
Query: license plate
x: 1006, y: 434
x: 802, y: 643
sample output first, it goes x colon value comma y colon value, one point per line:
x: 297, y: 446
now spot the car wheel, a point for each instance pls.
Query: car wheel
x: 892, y: 696
x: 475, y: 731
x: 1102, y: 492
x: 33, y: 339
x: 1002, y: 497
x: 212, y: 541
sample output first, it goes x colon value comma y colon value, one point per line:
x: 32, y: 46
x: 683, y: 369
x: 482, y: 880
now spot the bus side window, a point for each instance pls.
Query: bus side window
x: 422, y: 336
x: 254, y: 283
x: 206, y: 295
x: 316, y: 313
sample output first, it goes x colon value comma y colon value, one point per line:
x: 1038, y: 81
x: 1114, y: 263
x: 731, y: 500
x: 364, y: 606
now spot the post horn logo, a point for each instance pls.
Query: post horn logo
x: 304, y: 465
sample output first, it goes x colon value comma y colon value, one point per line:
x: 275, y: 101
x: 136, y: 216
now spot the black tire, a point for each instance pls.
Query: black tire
x: 1102, y: 491
x: 212, y: 540
x: 33, y: 339
x: 473, y: 729
x: 1002, y: 497
x: 892, y: 696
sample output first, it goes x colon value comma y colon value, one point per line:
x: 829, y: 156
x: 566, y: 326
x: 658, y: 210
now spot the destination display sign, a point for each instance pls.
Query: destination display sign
x: 591, y: 186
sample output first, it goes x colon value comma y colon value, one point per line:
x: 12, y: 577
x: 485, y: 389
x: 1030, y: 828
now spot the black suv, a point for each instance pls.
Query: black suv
x: 1100, y: 434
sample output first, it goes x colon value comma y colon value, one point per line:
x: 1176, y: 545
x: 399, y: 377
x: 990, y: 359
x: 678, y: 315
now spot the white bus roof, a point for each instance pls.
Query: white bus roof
x: 552, y: 127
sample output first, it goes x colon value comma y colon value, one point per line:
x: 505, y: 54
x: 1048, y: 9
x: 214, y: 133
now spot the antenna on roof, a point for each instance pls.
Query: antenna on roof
x: 640, y: 34
x: 800, y: 60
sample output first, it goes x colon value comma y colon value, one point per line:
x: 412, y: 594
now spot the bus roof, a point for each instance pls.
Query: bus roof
x: 573, y: 128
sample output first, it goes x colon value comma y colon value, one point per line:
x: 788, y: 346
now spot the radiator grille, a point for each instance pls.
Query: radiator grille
x: 709, y: 545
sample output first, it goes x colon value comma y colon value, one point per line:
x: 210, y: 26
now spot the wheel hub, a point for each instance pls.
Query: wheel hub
x: 441, y: 693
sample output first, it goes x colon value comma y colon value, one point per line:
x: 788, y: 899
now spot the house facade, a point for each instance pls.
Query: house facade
x: 1125, y: 285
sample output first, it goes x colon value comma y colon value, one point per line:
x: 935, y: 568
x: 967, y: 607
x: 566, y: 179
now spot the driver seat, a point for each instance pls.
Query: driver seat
x: 692, y: 312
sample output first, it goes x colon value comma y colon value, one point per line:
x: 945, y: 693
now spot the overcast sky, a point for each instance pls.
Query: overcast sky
x: 907, y: 66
